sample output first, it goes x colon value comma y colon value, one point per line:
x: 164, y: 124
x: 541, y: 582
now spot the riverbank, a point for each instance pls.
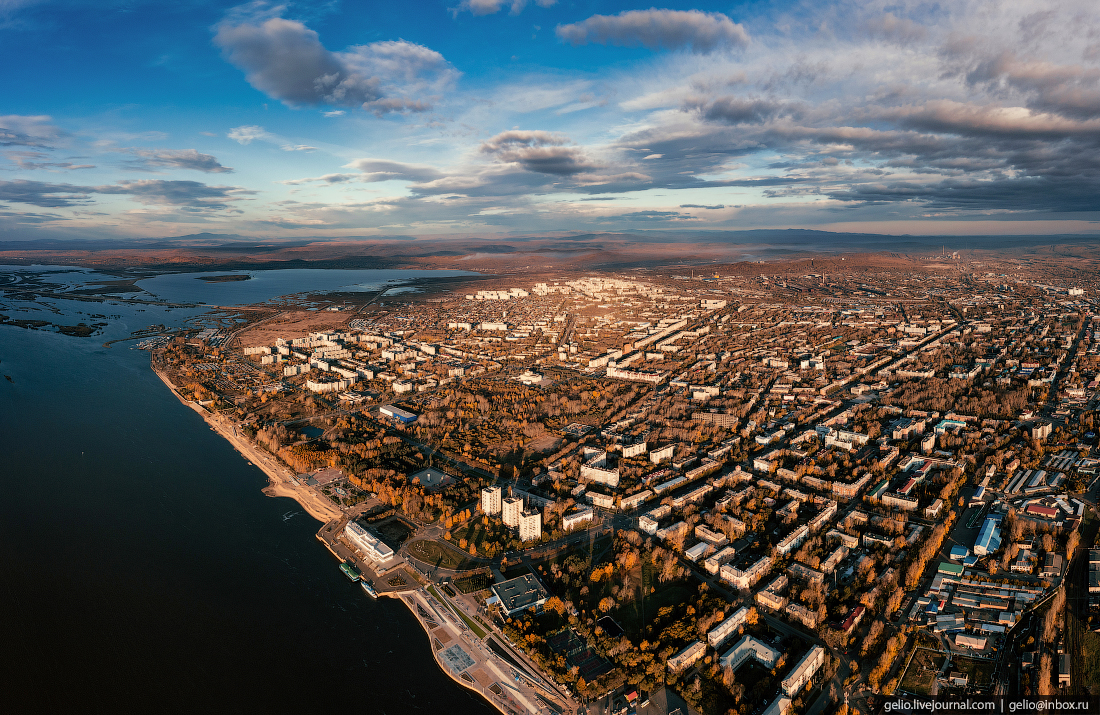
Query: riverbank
x: 470, y: 662
x: 282, y: 481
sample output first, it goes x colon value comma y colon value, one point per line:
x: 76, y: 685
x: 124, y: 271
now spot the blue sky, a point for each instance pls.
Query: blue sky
x: 479, y: 117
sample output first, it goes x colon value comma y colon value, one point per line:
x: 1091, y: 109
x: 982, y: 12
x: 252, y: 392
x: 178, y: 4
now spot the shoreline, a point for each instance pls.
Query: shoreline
x: 506, y: 702
x: 280, y: 479
x: 280, y: 484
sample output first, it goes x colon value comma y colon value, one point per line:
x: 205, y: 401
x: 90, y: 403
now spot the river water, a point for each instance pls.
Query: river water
x: 143, y: 570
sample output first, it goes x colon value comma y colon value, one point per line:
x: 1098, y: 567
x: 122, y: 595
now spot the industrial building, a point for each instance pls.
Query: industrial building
x: 397, y: 413
x: 989, y: 537
x: 520, y: 594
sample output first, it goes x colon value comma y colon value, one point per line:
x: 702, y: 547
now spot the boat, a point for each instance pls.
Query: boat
x: 350, y: 571
x: 368, y: 588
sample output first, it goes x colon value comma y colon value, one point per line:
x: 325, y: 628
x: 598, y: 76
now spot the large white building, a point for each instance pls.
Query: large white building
x: 749, y: 575
x: 512, y: 508
x: 687, y: 656
x: 805, y: 670
x: 371, y: 546
x: 749, y: 647
x: 576, y: 518
x: 530, y: 525
x: 490, y: 500
x: 726, y: 628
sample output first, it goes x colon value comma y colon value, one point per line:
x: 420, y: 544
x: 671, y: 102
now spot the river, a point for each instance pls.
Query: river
x: 144, y: 571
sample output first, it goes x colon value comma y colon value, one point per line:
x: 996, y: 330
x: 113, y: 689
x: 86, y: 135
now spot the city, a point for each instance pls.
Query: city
x: 792, y: 487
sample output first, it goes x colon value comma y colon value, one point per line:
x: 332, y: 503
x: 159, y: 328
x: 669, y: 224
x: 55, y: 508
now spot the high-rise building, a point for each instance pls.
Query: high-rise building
x: 513, y: 506
x: 530, y: 525
x: 490, y: 500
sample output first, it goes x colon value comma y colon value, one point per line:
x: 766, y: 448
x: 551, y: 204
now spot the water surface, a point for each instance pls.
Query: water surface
x: 144, y: 571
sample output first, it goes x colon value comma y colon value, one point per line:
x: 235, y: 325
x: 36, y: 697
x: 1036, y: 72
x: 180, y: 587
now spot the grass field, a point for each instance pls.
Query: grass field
x: 436, y: 554
x: 922, y: 671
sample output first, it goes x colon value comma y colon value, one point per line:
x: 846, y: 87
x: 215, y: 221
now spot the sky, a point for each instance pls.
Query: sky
x: 133, y: 118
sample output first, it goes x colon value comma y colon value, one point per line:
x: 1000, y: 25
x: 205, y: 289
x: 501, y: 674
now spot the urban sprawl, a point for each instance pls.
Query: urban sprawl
x: 760, y: 491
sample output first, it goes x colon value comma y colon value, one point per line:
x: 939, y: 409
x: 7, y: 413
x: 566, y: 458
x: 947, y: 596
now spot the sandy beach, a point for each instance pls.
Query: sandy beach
x: 282, y: 482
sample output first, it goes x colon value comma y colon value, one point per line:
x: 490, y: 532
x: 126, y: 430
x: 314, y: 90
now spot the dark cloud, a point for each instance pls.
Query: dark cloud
x: 191, y: 195
x: 652, y: 216
x: 538, y: 151
x: 702, y: 206
x: 29, y: 131
x: 177, y: 159
x: 285, y: 60
x: 34, y: 160
x: 382, y: 170
x: 738, y: 110
x: 1042, y: 194
x: 700, y: 32
x: 38, y: 193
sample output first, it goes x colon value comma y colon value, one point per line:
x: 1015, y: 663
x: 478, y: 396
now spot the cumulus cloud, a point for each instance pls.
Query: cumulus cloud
x: 248, y: 134
x: 177, y: 159
x: 700, y: 32
x: 538, y: 151
x: 286, y: 60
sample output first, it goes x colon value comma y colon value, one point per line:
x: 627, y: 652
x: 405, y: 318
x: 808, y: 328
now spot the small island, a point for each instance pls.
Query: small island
x: 225, y: 279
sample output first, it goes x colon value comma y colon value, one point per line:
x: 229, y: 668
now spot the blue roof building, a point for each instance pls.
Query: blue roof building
x: 989, y: 538
x: 959, y: 552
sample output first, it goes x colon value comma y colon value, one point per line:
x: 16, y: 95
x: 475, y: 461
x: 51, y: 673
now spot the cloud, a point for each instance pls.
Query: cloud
x: 490, y: 7
x: 383, y: 170
x: 38, y: 193
x: 326, y: 179
x: 702, y: 206
x: 285, y: 60
x: 32, y: 160
x: 249, y: 133
x: 700, y: 32
x: 902, y: 31
x: 32, y: 131
x: 190, y: 195
x: 738, y: 110
x: 538, y: 151
x: 178, y: 159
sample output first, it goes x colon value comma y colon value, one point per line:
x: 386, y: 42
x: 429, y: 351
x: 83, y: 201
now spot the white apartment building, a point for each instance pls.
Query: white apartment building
x: 530, y: 525
x: 490, y: 500
x: 512, y: 508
